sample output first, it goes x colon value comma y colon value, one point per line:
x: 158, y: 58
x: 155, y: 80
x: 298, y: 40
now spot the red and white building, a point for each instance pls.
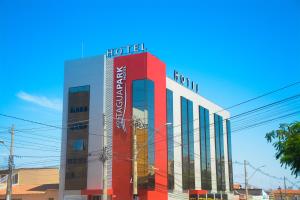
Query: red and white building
x: 183, y: 145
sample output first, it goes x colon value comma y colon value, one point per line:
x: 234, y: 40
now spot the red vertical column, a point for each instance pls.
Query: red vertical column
x: 127, y: 69
x: 156, y: 71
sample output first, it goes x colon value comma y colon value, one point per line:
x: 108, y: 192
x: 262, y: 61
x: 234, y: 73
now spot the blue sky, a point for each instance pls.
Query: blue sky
x: 235, y: 50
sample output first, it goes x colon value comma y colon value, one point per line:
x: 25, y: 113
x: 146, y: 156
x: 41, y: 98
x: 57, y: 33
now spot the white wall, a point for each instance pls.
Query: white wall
x: 178, y: 91
x: 87, y: 71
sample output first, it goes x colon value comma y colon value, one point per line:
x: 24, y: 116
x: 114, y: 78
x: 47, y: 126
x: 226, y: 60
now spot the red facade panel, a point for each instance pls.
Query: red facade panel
x: 127, y: 69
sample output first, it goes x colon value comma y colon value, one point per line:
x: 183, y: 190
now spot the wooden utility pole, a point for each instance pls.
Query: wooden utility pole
x: 10, y: 166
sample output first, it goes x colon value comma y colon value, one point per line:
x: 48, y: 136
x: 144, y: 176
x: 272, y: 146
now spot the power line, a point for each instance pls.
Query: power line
x: 36, y: 144
x: 52, y: 126
x: 260, y: 96
x: 30, y: 121
x: 177, y: 134
x: 266, y: 121
x: 230, y: 107
x: 272, y: 176
x: 28, y: 156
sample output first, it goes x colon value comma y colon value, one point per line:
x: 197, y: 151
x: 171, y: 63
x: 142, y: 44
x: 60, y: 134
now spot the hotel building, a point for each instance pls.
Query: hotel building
x: 127, y: 124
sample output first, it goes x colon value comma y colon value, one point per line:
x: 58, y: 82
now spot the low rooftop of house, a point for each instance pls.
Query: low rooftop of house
x: 30, y: 189
x: 289, y: 191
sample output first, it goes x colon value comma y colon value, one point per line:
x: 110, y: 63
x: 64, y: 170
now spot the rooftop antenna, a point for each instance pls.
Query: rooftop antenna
x: 82, y: 49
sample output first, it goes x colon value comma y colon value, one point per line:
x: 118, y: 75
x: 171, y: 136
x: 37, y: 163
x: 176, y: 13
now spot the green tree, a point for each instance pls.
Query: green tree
x: 286, y: 141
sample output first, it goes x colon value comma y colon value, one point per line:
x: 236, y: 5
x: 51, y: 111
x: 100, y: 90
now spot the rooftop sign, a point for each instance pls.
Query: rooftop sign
x: 125, y: 50
x: 179, y: 78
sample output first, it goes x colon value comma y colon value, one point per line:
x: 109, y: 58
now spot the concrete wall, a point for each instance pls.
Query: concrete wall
x: 87, y: 71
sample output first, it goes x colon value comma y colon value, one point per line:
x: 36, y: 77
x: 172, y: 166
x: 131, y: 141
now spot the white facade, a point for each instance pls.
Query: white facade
x: 87, y: 71
x: 178, y: 91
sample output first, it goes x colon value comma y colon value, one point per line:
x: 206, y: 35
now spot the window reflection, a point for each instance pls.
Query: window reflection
x: 143, y: 109
x: 205, y: 148
x: 170, y: 140
x: 78, y: 145
x: 228, y: 128
x: 219, y: 143
x: 77, y: 137
x: 187, y: 137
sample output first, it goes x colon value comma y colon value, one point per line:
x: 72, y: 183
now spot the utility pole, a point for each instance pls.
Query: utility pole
x: 246, y: 179
x: 134, y: 159
x: 285, y: 196
x: 103, y: 158
x: 10, y: 166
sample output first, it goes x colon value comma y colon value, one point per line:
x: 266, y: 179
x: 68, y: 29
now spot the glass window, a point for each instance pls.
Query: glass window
x: 191, y: 145
x: 228, y: 128
x: 85, y: 88
x: 78, y: 145
x: 78, y: 109
x: 76, y: 160
x: 15, y: 179
x: 208, y: 154
x: 143, y: 110
x: 78, y: 126
x: 187, y: 137
x: 96, y: 198
x: 170, y: 139
x: 78, y: 118
x: 205, y: 148
x: 219, y: 146
x: 70, y: 175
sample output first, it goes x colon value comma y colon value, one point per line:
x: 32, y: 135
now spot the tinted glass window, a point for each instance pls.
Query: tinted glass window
x: 78, y: 126
x: 170, y: 139
x: 143, y: 110
x: 205, y: 148
x: 78, y: 145
x: 228, y: 127
x: 77, y: 132
x: 79, y: 89
x: 187, y: 137
x: 219, y: 146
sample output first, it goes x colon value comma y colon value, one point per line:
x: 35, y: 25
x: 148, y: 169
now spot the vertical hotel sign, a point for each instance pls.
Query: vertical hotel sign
x: 120, y: 74
x: 120, y: 97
